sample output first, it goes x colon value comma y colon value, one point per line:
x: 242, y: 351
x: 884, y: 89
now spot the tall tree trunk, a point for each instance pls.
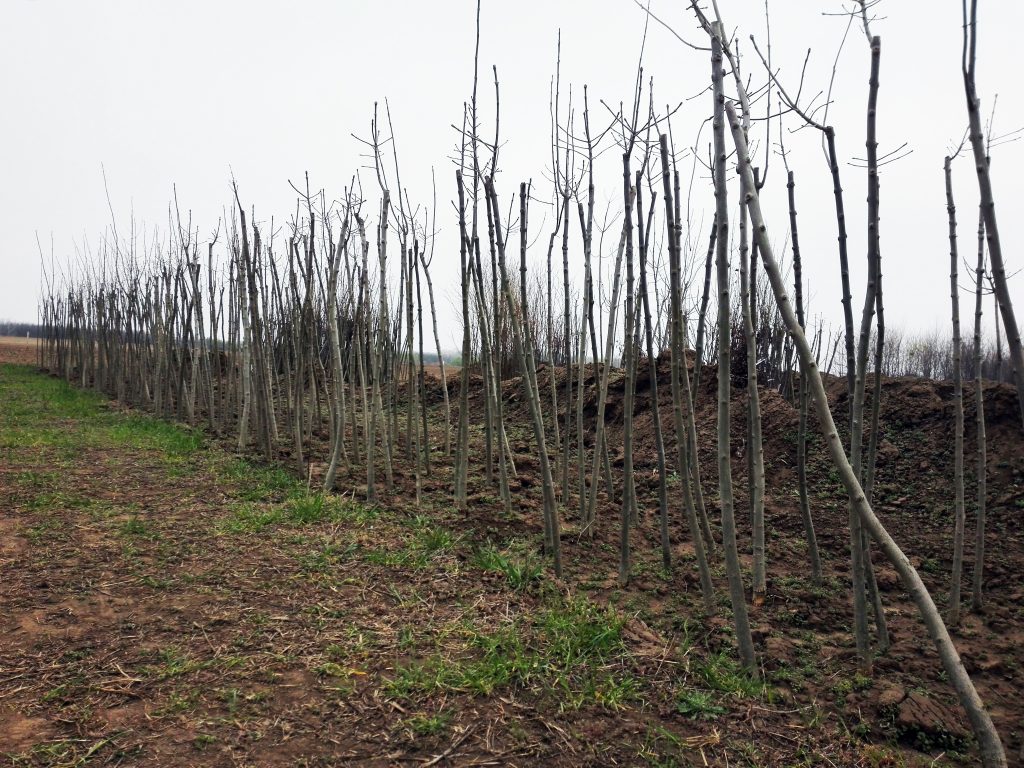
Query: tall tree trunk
x: 679, y: 374
x: 652, y: 370
x: 527, y: 364
x: 440, y: 358
x: 628, y: 486
x: 338, y: 388
x: 857, y: 549
x: 732, y: 560
x: 977, y: 596
x: 958, y: 406
x: 462, y: 446
x: 566, y: 347
x: 600, y: 449
x: 801, y: 435
x: 755, y: 448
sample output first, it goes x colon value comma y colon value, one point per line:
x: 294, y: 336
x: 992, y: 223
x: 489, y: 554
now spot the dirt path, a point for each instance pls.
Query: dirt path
x: 164, y: 603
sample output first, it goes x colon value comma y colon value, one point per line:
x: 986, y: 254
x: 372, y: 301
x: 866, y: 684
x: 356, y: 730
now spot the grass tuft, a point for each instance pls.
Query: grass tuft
x: 571, y: 650
x: 521, y: 574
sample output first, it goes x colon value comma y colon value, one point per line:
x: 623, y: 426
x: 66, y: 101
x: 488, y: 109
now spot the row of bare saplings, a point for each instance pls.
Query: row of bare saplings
x: 279, y: 344
x: 280, y: 348
x: 277, y: 347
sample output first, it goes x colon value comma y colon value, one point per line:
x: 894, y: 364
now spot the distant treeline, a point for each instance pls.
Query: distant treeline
x: 921, y: 355
x: 9, y: 328
x: 34, y: 331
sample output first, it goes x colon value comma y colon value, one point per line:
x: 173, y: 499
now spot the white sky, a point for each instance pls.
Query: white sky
x: 187, y: 92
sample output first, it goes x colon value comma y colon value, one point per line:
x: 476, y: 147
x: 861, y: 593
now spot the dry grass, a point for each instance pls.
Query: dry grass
x: 15, y: 349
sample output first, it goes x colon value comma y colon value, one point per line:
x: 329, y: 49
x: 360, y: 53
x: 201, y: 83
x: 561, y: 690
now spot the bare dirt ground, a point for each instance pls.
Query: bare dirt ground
x: 14, y: 349
x: 165, y: 602
x: 908, y: 701
x: 165, y: 605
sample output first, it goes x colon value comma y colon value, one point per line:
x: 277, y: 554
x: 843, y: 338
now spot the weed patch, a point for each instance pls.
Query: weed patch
x: 571, y: 650
x: 520, y: 573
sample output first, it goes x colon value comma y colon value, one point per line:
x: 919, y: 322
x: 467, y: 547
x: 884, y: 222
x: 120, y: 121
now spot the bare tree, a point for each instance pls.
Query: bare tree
x: 801, y: 437
x: 679, y: 374
x: 732, y: 561
x: 977, y: 595
x: 958, y: 405
x: 991, y: 748
x: 988, y: 205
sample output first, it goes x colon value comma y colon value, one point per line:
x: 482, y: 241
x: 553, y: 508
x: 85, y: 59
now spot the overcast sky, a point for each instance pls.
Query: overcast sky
x: 186, y: 92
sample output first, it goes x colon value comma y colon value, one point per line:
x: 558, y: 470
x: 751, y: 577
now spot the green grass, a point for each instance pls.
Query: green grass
x: 180, y: 701
x: 34, y: 407
x: 847, y: 685
x: 258, y: 483
x: 70, y: 752
x: 520, y: 573
x: 44, y: 531
x: 570, y: 650
x: 722, y: 673
x: 250, y: 518
x: 144, y: 431
x: 326, y: 556
x: 203, y: 740
x: 416, y: 549
x: 32, y: 393
x: 34, y: 480
x: 172, y: 662
x: 429, y: 725
x: 45, y: 412
x: 136, y: 526
x: 60, y: 500
x: 698, y: 705
x: 332, y: 669
x: 273, y: 499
